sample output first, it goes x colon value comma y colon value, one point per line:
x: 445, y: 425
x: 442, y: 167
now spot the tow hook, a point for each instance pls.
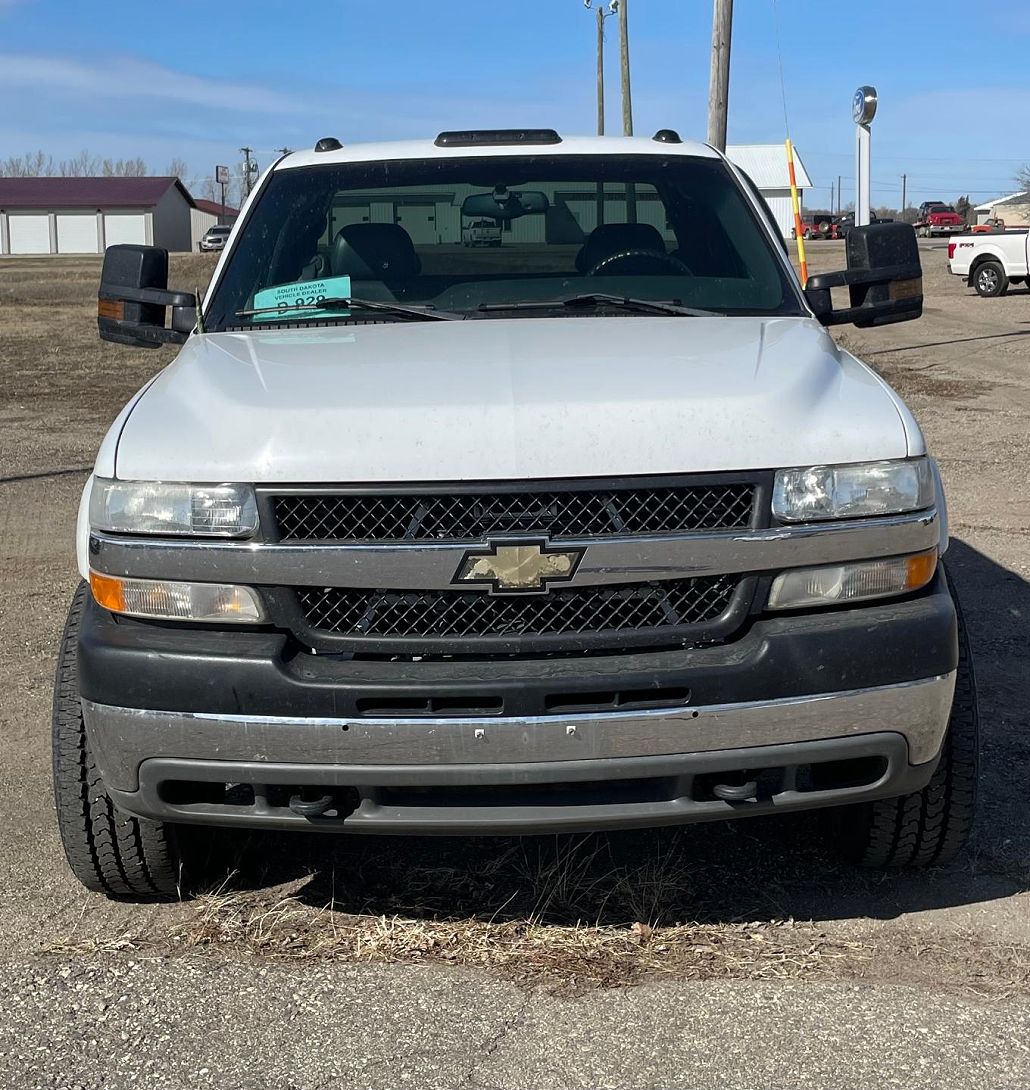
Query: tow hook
x: 310, y: 807
x: 742, y: 792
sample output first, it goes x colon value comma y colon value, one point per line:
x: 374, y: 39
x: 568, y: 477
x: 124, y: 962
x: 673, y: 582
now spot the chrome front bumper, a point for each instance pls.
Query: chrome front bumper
x: 122, y: 739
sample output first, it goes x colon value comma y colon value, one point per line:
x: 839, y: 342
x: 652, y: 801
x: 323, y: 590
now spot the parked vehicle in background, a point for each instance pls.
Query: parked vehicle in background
x: 937, y: 219
x: 992, y: 263
x: 847, y: 223
x: 215, y: 238
x: 404, y: 541
x: 481, y: 233
x: 931, y: 206
x: 989, y: 227
x: 820, y: 226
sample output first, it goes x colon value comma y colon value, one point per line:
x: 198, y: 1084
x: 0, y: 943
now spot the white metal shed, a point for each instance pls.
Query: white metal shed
x: 86, y: 215
x: 766, y: 166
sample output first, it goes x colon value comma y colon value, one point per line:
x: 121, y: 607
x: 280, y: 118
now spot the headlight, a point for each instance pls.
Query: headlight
x: 155, y: 507
x: 853, y: 491
x: 160, y: 599
x: 860, y: 581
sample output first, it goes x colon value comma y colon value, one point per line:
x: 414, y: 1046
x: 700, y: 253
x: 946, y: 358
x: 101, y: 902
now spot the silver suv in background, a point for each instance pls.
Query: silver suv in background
x: 215, y: 238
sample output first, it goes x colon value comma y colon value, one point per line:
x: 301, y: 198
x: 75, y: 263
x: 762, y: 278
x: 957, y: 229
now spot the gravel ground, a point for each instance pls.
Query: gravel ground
x: 920, y: 980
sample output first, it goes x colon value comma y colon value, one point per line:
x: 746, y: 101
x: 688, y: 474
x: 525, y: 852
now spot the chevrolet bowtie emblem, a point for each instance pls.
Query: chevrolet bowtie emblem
x: 518, y: 567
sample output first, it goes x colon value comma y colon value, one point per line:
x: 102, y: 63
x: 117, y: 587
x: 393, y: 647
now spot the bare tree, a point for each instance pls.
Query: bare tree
x: 34, y: 165
x: 178, y: 168
x: 84, y: 165
x: 124, y: 168
x: 1023, y: 177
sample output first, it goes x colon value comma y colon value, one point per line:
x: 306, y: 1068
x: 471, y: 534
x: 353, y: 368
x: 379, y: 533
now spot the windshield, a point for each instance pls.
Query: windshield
x: 471, y: 235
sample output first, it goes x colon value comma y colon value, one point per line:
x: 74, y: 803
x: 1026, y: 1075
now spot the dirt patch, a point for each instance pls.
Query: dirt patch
x: 912, y: 377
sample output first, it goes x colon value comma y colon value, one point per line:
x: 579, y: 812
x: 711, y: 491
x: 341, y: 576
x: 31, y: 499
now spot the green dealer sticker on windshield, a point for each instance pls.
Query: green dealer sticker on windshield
x: 306, y: 294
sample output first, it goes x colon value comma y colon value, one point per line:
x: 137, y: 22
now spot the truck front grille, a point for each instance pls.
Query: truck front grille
x: 668, y: 608
x: 575, y: 511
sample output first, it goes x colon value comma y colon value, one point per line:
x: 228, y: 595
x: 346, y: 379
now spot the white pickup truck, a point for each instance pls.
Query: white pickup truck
x: 605, y: 533
x: 991, y: 263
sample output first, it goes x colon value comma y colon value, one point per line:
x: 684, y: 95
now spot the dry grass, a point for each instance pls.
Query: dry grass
x: 569, y: 959
x: 562, y: 957
x: 565, y: 916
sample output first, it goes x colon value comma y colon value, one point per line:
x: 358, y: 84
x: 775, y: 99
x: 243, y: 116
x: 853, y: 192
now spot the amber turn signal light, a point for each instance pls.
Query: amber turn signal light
x: 108, y: 591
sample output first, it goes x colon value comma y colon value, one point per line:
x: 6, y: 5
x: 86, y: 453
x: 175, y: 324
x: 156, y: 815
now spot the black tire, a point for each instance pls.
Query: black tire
x: 929, y: 827
x: 990, y: 280
x: 108, y: 851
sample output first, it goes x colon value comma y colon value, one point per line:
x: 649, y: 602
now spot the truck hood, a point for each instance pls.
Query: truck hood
x: 507, y: 399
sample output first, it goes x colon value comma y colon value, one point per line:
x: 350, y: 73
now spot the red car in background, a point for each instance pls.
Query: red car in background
x: 820, y: 226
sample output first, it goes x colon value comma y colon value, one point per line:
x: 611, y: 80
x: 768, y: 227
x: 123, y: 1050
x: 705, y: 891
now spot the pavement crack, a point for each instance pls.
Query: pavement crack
x: 495, y: 1040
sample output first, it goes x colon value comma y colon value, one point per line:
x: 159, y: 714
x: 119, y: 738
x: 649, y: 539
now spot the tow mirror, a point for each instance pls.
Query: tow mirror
x: 133, y: 298
x: 884, y: 278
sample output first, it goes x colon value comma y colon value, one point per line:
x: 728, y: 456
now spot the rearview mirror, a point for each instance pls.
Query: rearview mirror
x: 884, y: 278
x: 503, y: 204
x: 133, y: 297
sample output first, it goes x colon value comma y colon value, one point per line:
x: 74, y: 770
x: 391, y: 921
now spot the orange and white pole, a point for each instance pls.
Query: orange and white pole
x: 799, y: 231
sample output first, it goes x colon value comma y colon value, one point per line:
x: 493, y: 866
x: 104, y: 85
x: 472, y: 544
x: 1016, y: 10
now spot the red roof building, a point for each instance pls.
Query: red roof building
x: 86, y: 215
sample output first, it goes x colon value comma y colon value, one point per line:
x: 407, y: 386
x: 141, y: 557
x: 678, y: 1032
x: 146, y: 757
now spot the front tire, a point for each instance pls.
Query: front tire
x: 109, y: 852
x: 931, y: 826
x: 990, y: 280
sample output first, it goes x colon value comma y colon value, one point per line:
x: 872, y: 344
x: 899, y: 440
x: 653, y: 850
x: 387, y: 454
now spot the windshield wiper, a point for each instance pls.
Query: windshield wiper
x: 652, y: 306
x: 426, y: 313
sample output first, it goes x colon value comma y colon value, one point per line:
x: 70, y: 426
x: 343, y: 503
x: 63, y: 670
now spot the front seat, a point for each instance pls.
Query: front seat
x: 616, y: 238
x: 374, y: 251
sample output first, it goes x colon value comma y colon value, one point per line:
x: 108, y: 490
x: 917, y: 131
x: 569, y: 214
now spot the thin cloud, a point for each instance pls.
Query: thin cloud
x: 127, y: 78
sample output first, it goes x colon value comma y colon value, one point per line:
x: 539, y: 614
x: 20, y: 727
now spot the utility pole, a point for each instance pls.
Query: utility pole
x: 719, y: 83
x: 284, y: 151
x: 602, y: 14
x: 249, y: 169
x: 600, y: 71
x: 627, y: 96
x: 838, y: 194
x: 904, y: 192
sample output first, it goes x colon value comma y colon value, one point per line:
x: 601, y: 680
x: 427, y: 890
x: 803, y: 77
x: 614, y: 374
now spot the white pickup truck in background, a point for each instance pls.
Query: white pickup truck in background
x: 991, y: 263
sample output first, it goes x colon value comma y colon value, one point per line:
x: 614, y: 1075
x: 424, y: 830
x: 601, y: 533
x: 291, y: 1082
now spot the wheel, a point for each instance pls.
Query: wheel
x: 109, y: 852
x: 990, y: 280
x: 930, y: 826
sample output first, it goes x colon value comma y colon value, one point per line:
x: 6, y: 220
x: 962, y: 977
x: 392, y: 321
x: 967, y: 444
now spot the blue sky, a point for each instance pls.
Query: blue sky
x: 197, y: 80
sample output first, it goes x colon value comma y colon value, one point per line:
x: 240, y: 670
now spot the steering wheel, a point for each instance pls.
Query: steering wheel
x: 665, y: 263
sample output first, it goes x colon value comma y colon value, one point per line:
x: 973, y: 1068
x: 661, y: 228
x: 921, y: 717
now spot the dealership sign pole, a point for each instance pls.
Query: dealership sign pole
x: 863, y: 109
x: 222, y: 178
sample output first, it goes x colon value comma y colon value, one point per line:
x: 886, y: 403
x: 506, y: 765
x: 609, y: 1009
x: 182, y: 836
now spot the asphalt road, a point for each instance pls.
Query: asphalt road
x: 929, y: 987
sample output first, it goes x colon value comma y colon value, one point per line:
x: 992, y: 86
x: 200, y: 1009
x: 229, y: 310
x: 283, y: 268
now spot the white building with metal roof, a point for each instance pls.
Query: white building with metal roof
x: 1013, y: 209
x: 766, y: 166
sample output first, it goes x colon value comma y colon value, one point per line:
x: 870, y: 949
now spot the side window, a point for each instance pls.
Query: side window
x: 766, y: 210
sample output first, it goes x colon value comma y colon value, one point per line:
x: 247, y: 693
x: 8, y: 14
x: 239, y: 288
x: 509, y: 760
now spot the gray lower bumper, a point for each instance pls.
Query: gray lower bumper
x: 139, y: 751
